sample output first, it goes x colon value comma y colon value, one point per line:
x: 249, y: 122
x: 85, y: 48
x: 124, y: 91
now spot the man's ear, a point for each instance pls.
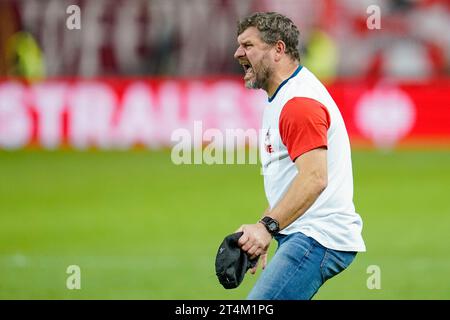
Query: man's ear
x: 280, y: 49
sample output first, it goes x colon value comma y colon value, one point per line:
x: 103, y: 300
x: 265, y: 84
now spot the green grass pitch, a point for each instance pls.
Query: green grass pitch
x: 140, y: 227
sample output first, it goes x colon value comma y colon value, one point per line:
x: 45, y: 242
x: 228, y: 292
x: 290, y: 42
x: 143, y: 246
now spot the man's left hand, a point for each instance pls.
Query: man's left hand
x: 255, y: 240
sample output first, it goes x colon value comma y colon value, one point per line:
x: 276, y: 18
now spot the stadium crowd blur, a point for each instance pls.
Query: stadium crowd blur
x: 197, y: 37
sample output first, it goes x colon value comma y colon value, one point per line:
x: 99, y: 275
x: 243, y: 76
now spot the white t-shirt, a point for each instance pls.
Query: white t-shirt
x: 302, y: 116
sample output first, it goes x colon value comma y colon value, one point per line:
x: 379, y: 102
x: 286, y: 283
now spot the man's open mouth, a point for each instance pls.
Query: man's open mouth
x: 247, y: 68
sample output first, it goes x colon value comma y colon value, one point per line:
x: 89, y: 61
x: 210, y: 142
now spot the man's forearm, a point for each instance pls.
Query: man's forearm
x: 302, y: 193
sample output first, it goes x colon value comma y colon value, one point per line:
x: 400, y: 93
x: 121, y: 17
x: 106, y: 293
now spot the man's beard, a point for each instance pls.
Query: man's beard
x: 260, y: 78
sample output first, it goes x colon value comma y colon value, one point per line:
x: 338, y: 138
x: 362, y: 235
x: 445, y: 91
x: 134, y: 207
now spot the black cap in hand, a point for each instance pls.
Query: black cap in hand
x: 232, y: 262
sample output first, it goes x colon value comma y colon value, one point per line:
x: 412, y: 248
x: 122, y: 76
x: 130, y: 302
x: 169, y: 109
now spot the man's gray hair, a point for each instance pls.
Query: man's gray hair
x: 273, y: 27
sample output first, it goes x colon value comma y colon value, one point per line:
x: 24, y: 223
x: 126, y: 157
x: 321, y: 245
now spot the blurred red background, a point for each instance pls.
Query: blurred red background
x: 137, y: 70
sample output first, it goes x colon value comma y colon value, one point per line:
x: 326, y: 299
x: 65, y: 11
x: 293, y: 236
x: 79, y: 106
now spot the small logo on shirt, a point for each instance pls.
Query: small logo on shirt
x: 267, y: 144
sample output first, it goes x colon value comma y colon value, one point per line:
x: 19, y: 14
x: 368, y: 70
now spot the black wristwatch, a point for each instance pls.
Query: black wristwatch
x: 271, y: 225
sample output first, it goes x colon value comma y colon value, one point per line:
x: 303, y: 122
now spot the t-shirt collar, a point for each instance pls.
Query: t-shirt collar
x: 270, y: 99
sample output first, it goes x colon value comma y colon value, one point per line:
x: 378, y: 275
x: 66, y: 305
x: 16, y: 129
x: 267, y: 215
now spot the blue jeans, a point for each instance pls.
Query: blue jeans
x: 299, y: 267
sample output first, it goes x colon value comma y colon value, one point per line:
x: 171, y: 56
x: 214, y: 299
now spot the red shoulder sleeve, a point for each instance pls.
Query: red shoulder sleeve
x: 303, y: 126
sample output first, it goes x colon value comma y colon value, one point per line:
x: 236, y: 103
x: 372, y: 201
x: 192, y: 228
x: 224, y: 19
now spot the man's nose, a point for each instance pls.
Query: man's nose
x: 239, y: 53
